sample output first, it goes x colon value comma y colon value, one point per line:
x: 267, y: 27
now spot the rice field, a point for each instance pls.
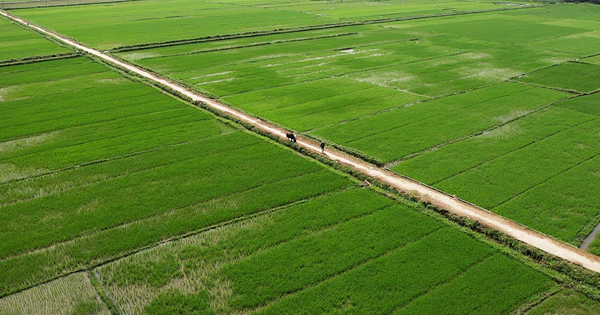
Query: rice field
x: 91, y: 156
x: 106, y: 26
x: 566, y: 302
x: 119, y: 159
x: 375, y: 257
x: 18, y: 43
x: 116, y: 197
x: 458, y: 102
x: 73, y: 294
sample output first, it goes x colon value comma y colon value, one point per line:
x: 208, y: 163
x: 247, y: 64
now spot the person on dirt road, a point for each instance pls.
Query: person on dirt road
x: 323, y: 147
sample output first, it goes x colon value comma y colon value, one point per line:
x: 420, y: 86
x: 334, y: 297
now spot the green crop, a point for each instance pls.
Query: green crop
x: 574, y: 76
x: 567, y: 301
x: 126, y: 162
x: 18, y: 43
x: 173, y: 211
x: 494, y: 286
x: 396, y: 134
x: 286, y: 269
x: 391, y: 281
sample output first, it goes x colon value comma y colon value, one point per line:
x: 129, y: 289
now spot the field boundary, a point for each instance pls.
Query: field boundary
x: 444, y: 282
x: 96, y: 282
x: 22, y: 61
x: 403, y: 184
x: 340, y: 273
x: 188, y: 234
x: 548, y: 179
x: 15, y: 5
x: 301, y: 29
x: 509, y: 152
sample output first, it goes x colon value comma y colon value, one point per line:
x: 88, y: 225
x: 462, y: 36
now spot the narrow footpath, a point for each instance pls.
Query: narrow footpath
x: 438, y: 199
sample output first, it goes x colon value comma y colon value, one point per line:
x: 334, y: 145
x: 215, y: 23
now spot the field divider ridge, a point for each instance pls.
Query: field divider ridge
x: 22, y: 61
x: 100, y: 161
x: 96, y: 281
x: 446, y: 281
x: 222, y: 224
x: 340, y: 273
x: 480, y: 133
x: 509, y: 152
x: 404, y: 184
x: 304, y: 28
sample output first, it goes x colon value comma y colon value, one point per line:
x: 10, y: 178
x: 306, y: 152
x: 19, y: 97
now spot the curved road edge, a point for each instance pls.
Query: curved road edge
x: 436, y: 198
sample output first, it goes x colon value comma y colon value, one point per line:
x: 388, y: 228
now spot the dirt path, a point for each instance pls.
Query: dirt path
x: 437, y: 198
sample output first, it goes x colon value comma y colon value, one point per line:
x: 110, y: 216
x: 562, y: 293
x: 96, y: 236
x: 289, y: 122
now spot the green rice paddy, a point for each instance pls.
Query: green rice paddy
x: 18, y: 43
x: 118, y: 198
x: 410, y: 93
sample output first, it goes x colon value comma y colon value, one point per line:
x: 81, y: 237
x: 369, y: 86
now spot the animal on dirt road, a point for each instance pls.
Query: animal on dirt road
x: 290, y: 136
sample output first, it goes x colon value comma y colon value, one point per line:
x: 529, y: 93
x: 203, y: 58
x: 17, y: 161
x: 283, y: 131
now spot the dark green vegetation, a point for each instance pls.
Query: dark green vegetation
x: 571, y: 76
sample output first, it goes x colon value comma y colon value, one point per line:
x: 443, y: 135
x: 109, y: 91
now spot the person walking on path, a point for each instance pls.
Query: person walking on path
x: 323, y: 147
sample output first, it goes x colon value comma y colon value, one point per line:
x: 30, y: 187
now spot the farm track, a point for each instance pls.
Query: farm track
x: 425, y: 193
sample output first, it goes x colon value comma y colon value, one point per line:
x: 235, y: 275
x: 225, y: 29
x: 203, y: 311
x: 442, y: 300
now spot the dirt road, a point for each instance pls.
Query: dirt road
x: 438, y: 199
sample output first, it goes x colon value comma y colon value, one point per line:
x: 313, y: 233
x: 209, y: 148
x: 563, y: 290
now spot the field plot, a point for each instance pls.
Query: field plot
x: 562, y: 14
x: 494, y: 27
x: 593, y: 60
x: 133, y: 165
x: 397, y: 134
x: 580, y: 44
x: 451, y: 101
x: 180, y: 212
x: 107, y: 26
x: 18, y: 43
x: 133, y: 23
x: 307, y: 56
x: 588, y: 104
x: 556, y: 148
x: 298, y: 81
x: 373, y: 257
x: 120, y: 160
x: 573, y: 76
x: 566, y: 302
x: 72, y: 294
x: 367, y: 10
